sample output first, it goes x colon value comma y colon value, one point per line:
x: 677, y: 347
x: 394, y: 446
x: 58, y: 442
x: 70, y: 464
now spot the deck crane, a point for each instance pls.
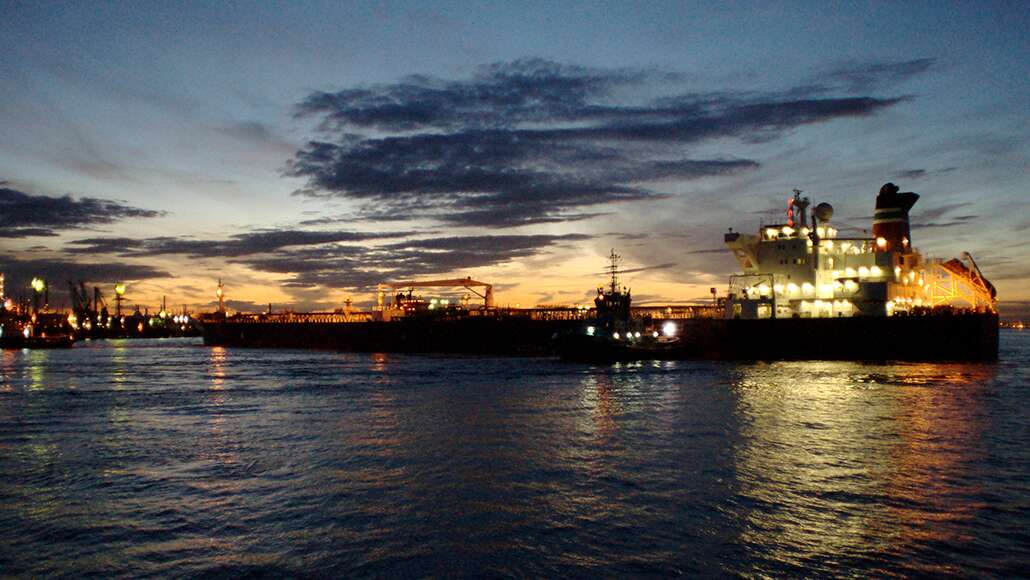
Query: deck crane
x: 467, y: 283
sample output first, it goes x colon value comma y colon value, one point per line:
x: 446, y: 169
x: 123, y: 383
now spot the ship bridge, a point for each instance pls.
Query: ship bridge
x: 805, y: 268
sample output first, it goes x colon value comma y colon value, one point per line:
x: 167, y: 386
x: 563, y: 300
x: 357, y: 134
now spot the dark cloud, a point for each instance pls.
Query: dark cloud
x: 532, y: 141
x: 25, y: 215
x: 363, y: 267
x: 866, y: 76
x: 910, y: 174
x: 933, y: 213
x: 245, y: 244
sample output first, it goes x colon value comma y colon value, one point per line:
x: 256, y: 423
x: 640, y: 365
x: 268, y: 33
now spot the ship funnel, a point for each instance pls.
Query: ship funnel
x: 890, y: 220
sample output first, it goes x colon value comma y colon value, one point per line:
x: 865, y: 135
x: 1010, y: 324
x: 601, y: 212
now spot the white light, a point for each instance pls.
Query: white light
x: 881, y: 242
x: 787, y: 231
x: 655, y: 334
x: 26, y: 332
x: 615, y: 335
x: 590, y: 330
x: 636, y: 335
x: 820, y: 231
x: 778, y: 288
x: 863, y: 271
x: 763, y: 289
x: 807, y: 288
x: 771, y: 233
x: 792, y: 288
x: 850, y: 285
x: 849, y: 272
x: 669, y: 328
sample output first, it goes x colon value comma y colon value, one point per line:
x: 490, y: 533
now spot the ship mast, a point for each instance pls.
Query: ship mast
x: 614, y: 269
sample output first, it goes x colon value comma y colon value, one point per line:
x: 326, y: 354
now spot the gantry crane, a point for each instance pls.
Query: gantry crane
x: 467, y: 283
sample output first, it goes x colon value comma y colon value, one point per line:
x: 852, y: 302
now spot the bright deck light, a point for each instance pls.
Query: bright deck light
x: 669, y: 328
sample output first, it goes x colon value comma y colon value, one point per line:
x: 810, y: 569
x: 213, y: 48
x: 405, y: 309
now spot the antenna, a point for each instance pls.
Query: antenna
x: 614, y: 269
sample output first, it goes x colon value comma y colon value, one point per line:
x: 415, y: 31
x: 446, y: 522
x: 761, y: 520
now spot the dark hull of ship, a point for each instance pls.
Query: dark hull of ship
x: 958, y: 337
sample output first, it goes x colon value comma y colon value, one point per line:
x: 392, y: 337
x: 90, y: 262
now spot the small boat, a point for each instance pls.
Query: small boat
x: 614, y: 335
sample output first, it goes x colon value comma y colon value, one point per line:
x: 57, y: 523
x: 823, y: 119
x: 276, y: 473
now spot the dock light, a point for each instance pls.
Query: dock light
x: 72, y: 320
x: 636, y: 335
x: 654, y: 334
x: 881, y: 242
x: 590, y: 330
x: 669, y: 328
x: 615, y: 335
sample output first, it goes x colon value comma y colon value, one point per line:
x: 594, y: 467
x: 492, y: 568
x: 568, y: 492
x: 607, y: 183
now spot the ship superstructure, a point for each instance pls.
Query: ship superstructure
x: 804, y: 268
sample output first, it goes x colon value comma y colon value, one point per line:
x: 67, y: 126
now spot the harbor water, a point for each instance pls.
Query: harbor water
x: 137, y: 458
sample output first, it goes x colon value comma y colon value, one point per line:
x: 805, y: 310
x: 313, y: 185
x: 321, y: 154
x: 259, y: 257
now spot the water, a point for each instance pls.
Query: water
x: 164, y: 457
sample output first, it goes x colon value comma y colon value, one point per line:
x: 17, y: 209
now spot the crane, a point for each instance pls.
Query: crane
x: 467, y: 283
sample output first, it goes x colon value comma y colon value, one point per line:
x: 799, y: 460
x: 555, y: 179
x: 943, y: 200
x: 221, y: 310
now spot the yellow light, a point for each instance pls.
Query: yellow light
x: 881, y: 243
x: 787, y: 231
x: 875, y: 271
x: 850, y: 285
x: 807, y: 288
x: 863, y: 271
x: 849, y: 272
x: 778, y: 288
x: 771, y: 233
x: 763, y: 289
x: 38, y: 285
x: 119, y: 289
x: 792, y: 288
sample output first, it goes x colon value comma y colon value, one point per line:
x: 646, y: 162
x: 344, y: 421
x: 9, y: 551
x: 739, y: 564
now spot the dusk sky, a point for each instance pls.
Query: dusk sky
x: 306, y: 151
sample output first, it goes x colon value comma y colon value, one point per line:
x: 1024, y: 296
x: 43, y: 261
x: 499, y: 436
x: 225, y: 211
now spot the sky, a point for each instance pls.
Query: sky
x: 303, y: 152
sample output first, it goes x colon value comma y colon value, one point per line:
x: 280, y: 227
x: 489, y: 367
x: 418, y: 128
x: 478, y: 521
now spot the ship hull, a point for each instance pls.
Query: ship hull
x: 966, y: 337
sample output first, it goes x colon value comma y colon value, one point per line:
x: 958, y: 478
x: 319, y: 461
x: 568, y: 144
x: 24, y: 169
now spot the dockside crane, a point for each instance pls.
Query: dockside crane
x: 467, y: 283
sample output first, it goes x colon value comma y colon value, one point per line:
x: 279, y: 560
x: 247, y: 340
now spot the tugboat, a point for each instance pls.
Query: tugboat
x: 614, y: 335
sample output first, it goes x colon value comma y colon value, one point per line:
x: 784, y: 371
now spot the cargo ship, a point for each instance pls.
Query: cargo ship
x: 805, y: 292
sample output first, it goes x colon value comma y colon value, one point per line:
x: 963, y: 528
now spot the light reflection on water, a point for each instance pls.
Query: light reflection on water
x: 167, y: 457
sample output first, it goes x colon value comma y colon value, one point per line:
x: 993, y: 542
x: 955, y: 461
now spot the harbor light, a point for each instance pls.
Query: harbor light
x: 38, y: 285
x: 654, y: 334
x: 881, y: 242
x: 615, y: 335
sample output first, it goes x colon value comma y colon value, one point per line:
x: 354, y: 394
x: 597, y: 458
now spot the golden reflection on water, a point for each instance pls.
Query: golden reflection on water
x: 596, y: 395
x: 843, y: 459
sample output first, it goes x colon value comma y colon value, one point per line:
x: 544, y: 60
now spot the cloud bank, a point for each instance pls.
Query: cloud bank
x: 24, y: 215
x: 533, y: 141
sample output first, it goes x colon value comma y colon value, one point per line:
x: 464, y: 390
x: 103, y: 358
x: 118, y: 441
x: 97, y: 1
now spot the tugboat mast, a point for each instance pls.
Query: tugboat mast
x: 614, y: 269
